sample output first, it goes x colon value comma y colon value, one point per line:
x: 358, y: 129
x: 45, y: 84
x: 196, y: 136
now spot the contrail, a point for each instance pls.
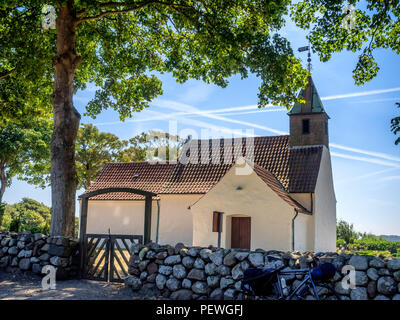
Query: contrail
x: 359, y: 94
x: 248, y: 107
x: 202, y: 124
x: 390, y: 178
x: 371, y: 160
x: 214, y: 114
x: 178, y: 106
x: 369, y: 153
x: 368, y: 175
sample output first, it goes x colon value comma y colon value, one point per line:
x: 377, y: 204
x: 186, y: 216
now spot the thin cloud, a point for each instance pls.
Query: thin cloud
x: 173, y: 105
x: 359, y: 94
x: 217, y: 114
x: 377, y: 100
x: 370, y: 160
x: 178, y: 106
x: 390, y: 178
x: 366, y: 152
x: 368, y: 175
x: 252, y: 112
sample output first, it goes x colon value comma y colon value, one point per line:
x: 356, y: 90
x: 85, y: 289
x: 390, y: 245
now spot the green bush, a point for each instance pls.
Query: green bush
x: 340, y: 242
x: 15, y: 225
x: 27, y: 215
x: 378, y: 245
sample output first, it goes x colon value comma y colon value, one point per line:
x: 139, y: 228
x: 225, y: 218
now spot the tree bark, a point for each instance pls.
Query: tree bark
x: 66, y: 124
x: 3, y: 179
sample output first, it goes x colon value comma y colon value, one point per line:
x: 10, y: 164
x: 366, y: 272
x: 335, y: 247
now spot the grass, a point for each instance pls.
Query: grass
x: 384, y: 253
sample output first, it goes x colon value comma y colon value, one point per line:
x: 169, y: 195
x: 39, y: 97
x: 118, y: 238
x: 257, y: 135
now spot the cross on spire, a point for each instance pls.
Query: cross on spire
x: 307, y: 48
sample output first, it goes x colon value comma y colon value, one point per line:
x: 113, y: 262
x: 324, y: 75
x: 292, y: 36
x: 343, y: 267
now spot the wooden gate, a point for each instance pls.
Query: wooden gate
x: 106, y: 256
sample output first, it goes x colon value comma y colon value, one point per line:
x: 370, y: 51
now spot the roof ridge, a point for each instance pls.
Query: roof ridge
x: 255, y: 137
x: 277, y: 180
x: 290, y: 201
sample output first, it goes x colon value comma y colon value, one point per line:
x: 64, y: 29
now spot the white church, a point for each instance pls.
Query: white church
x: 273, y: 192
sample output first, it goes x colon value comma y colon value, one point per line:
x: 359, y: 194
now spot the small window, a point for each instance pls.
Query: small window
x: 217, y: 221
x: 306, y: 126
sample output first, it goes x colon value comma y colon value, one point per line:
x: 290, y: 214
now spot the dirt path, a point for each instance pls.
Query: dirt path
x: 28, y: 286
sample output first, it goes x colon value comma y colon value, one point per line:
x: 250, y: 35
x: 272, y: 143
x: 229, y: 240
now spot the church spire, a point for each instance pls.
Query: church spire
x: 308, y: 120
x: 313, y: 103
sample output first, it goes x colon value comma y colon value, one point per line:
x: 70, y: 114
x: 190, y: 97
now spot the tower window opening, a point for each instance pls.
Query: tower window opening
x: 306, y: 126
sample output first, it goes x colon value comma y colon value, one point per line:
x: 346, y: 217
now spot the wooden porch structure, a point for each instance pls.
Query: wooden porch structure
x: 84, y: 209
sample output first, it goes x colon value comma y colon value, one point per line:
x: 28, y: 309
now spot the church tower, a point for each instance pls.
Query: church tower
x: 308, y: 121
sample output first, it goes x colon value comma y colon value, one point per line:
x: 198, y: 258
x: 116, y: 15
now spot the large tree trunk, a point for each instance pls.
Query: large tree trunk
x: 3, y: 179
x: 66, y: 124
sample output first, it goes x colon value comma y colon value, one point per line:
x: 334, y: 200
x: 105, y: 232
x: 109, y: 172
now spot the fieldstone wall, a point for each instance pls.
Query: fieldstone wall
x: 30, y: 252
x: 209, y: 273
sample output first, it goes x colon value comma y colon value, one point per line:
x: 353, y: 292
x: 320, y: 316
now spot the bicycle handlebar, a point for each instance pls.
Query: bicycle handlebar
x: 315, y: 260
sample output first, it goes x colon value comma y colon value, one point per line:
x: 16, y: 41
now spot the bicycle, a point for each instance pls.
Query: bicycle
x: 270, y: 284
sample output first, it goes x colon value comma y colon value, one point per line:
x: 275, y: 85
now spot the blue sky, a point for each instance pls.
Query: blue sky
x: 366, y: 163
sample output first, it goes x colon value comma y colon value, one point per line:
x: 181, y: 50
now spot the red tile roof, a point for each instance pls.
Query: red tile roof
x: 296, y: 169
x: 275, y: 185
x: 139, y: 175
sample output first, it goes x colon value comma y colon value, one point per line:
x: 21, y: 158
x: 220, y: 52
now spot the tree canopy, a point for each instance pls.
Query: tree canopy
x: 26, y: 215
x: 24, y: 151
x: 353, y: 25
x: 95, y: 148
x: 345, y: 231
x: 123, y: 45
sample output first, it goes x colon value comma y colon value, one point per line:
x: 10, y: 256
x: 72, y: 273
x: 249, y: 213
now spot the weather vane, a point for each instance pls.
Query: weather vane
x: 307, y: 48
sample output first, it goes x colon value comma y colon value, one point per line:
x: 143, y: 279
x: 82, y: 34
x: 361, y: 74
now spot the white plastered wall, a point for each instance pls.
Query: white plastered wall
x: 120, y: 216
x: 325, y: 206
x: 271, y: 216
x: 127, y: 217
x: 304, y: 224
x: 176, y: 223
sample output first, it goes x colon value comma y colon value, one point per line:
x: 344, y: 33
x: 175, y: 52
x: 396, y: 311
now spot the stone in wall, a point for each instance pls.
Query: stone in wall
x: 30, y: 252
x: 210, y: 273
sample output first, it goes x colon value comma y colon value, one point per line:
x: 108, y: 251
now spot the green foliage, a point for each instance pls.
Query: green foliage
x: 345, y: 231
x: 21, y: 100
x: 340, y: 242
x: 333, y: 28
x: 26, y: 68
x: 364, y: 243
x: 368, y: 236
x: 94, y: 149
x: 2, y: 210
x: 15, y: 225
x: 27, y: 215
x: 124, y: 46
x: 155, y: 145
x: 24, y: 151
x: 375, y: 253
x: 76, y: 227
x: 377, y: 245
x: 395, y: 125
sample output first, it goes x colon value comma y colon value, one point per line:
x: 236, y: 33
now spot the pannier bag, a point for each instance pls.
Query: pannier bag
x: 324, y: 272
x: 259, y: 281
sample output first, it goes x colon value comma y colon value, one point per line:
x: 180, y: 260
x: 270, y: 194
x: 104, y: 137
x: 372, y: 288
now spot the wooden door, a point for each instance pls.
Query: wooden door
x: 241, y: 232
